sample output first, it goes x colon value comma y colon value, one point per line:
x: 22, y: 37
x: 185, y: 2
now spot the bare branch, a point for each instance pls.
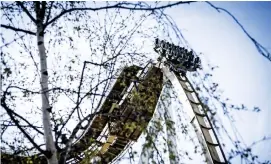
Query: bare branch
x: 26, y: 11
x: 74, y: 132
x: 79, y: 87
x: 26, y: 126
x: 118, y: 5
x: 79, y: 102
x: 261, y: 49
x: 9, y: 111
x: 259, y: 141
x: 49, y: 13
x: 16, y: 122
x: 14, y: 40
x: 18, y: 29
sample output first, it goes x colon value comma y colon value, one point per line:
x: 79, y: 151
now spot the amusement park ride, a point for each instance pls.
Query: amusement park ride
x: 130, y: 105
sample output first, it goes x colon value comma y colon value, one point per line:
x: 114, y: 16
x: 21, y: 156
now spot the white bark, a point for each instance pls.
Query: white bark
x: 48, y: 136
x: 171, y: 137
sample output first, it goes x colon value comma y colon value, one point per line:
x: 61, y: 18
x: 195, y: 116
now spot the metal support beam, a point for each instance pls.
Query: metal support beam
x: 199, y: 119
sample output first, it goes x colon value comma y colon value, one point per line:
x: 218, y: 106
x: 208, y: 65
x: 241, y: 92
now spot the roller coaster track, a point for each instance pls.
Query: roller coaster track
x: 124, y: 114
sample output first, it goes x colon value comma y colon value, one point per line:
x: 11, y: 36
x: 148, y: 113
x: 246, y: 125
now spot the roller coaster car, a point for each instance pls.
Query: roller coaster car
x: 179, y: 59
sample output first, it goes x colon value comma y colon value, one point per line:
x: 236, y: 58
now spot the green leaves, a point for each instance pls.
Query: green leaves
x: 172, y: 156
x: 131, y: 126
x: 92, y: 140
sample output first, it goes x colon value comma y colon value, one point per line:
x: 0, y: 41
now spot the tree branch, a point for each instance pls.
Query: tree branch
x: 16, y: 122
x: 64, y: 154
x: 26, y: 126
x: 120, y: 6
x: 26, y: 11
x: 29, y: 124
x: 14, y: 40
x: 261, y: 49
x: 79, y: 88
x: 17, y: 29
x: 49, y: 13
x: 14, y: 113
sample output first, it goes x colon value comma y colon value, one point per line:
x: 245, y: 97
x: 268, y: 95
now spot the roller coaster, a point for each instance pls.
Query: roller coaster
x: 129, y: 107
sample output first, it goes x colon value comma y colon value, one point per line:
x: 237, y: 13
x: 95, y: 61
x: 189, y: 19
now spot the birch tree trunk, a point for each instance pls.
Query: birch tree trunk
x: 51, y: 152
x: 46, y: 109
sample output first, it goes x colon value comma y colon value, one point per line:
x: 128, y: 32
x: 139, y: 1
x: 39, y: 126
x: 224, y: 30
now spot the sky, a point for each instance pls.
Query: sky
x: 243, y: 74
